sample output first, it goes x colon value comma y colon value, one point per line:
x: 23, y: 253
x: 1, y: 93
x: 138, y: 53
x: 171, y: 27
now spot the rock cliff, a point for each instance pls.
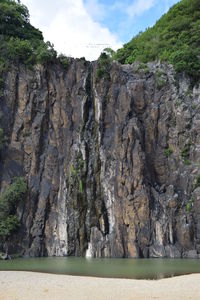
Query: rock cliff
x: 112, y: 165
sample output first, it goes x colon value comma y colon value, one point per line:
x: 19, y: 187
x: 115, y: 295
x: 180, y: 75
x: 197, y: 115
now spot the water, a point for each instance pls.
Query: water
x: 119, y: 268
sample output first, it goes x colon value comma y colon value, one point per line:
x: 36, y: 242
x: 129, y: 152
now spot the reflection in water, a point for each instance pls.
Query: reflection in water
x: 121, y: 268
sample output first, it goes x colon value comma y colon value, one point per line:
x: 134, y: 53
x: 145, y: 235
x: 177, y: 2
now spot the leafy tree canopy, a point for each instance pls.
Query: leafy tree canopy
x: 14, y: 21
x: 20, y: 42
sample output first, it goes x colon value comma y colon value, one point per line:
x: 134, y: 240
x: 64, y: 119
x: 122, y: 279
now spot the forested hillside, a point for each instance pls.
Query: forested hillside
x: 175, y: 38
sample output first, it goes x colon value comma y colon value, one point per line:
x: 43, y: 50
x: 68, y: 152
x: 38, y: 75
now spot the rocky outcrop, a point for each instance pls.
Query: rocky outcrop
x: 112, y: 164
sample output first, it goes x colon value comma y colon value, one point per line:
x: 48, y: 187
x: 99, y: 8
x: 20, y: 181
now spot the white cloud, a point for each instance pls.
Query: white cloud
x: 135, y: 8
x: 69, y: 25
x: 95, y: 9
x: 139, y: 7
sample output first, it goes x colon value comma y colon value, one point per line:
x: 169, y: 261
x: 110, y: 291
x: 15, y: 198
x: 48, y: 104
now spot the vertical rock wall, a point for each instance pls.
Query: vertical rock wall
x: 111, y: 164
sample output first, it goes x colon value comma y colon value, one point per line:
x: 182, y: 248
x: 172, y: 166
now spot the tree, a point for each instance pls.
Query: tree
x: 110, y: 52
x: 20, y: 42
x: 14, y: 21
x: 104, y: 63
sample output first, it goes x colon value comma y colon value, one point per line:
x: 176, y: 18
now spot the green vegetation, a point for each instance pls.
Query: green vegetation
x: 110, y: 52
x: 45, y: 53
x: 168, y: 152
x: 104, y: 64
x: 174, y: 38
x: 185, y: 153
x: 73, y: 171
x: 1, y: 80
x: 80, y: 186
x: 77, y: 172
x: 178, y: 103
x: 63, y: 60
x: 20, y: 42
x: 8, y: 205
x: 160, y: 83
x: 161, y: 79
x: 187, y: 162
x: 141, y: 68
x: 14, y: 21
x: 197, y: 181
x: 8, y: 225
x: 189, y: 204
x: 193, y: 106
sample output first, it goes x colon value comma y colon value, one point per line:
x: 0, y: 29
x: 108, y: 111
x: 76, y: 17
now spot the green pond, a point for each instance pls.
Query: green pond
x: 119, y: 268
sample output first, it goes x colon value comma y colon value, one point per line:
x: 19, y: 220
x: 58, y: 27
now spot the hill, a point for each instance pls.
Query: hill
x: 175, y: 38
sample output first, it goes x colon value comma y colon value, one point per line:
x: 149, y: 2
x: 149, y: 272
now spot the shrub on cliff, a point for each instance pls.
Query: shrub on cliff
x: 103, y: 68
x: 8, y: 205
x: 8, y: 225
x: 45, y: 53
x: 64, y: 60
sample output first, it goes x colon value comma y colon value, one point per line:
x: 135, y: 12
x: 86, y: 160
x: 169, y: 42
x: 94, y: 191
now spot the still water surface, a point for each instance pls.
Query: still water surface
x: 119, y: 268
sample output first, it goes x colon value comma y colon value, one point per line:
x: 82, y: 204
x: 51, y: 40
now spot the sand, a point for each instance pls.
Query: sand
x: 38, y: 286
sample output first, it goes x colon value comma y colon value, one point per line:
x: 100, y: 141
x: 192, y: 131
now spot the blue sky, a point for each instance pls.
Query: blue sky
x: 128, y: 17
x: 85, y: 27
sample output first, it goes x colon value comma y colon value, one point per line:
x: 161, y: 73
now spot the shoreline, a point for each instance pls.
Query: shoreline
x: 96, y: 276
x: 22, y: 285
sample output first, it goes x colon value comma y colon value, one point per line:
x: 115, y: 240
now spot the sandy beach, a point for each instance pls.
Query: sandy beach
x: 38, y: 286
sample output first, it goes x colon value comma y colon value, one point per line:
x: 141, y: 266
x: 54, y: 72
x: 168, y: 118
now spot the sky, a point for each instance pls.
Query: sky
x: 80, y: 28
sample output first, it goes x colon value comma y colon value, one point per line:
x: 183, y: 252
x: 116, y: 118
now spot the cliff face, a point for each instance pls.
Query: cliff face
x: 112, y: 165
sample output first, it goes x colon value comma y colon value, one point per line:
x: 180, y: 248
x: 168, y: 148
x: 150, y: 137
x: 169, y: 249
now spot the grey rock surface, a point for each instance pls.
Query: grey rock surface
x: 111, y: 165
